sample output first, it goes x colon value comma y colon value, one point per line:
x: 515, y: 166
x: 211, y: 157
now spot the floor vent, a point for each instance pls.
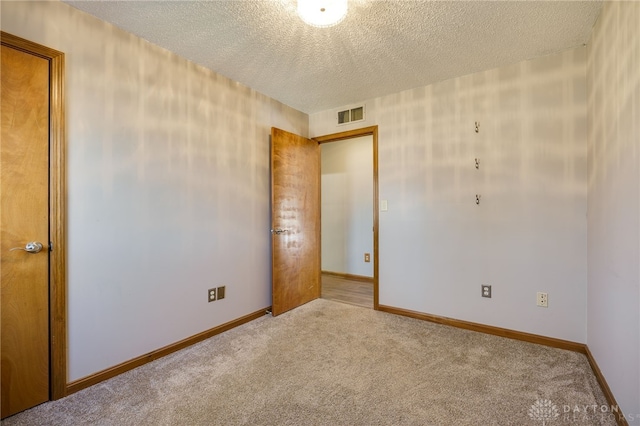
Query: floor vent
x: 351, y: 115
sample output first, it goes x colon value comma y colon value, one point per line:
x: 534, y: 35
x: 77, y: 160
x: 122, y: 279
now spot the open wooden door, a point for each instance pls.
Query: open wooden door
x: 295, y: 220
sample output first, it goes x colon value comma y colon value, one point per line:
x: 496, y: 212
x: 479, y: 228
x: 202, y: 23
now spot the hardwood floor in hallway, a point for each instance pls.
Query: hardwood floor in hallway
x: 345, y: 290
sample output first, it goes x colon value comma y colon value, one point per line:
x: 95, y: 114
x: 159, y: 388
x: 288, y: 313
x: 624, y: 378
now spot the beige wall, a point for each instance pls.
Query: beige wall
x: 613, y: 309
x: 168, y: 176
x: 529, y: 232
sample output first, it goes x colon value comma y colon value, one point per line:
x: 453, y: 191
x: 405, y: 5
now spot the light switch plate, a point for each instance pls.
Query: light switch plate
x: 383, y: 205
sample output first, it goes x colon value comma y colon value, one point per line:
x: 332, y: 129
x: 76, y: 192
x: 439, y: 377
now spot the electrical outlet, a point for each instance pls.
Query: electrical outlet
x: 542, y: 300
x: 367, y: 257
x: 212, y: 294
x: 486, y: 290
x: 221, y: 292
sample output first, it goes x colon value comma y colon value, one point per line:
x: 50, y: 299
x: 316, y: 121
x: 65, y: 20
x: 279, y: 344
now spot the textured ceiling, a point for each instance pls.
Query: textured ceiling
x: 381, y: 47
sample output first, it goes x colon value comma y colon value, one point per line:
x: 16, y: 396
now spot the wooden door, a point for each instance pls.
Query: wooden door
x: 25, y: 218
x: 295, y: 213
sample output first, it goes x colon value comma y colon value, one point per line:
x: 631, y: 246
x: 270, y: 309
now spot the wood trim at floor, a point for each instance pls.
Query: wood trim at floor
x: 525, y: 337
x: 620, y: 419
x: 488, y: 329
x: 360, y: 278
x: 100, y: 376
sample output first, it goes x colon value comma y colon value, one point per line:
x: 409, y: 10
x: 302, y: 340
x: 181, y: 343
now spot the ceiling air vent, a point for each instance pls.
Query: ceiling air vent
x: 351, y: 115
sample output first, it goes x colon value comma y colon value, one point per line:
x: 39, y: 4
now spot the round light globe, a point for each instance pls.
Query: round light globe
x: 322, y: 13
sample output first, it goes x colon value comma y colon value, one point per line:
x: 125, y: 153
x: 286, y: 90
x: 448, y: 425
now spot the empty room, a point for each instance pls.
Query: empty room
x: 336, y: 212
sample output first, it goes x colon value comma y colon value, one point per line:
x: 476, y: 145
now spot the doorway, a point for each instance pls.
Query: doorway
x: 33, y: 249
x: 350, y: 262
x: 347, y: 221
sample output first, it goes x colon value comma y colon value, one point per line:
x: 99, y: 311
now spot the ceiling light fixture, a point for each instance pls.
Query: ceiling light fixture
x: 322, y: 13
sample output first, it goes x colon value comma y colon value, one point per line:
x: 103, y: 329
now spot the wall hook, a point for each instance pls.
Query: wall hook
x: 477, y: 163
x: 477, y: 127
x: 478, y: 198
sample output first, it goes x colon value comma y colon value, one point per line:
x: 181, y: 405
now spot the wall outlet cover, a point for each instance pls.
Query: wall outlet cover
x: 542, y: 300
x: 486, y: 290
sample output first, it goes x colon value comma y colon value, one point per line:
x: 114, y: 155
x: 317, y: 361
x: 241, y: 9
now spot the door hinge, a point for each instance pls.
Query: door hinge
x: 50, y: 245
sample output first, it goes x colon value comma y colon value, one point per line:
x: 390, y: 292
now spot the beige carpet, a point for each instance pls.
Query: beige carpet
x: 328, y: 363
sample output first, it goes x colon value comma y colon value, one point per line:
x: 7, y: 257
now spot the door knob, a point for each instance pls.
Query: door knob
x: 32, y: 247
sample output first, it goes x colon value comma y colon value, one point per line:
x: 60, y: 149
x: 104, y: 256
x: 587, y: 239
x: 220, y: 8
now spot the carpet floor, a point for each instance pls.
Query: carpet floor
x: 329, y: 363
